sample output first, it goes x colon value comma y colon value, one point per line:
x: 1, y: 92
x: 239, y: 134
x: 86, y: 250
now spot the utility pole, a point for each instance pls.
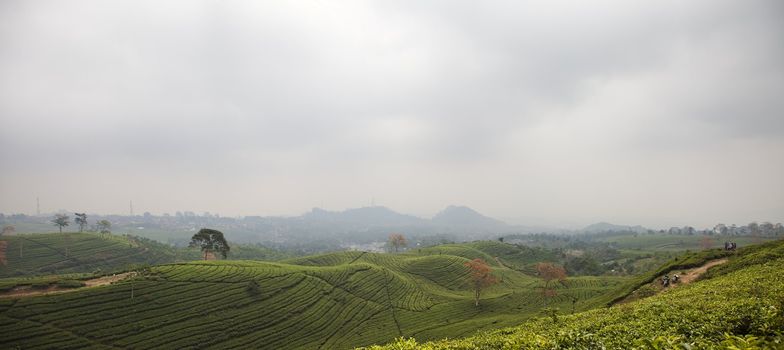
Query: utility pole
x: 37, y: 206
x: 131, y: 208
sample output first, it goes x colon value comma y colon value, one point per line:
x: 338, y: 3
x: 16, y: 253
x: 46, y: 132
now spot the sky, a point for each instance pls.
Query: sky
x: 563, y: 113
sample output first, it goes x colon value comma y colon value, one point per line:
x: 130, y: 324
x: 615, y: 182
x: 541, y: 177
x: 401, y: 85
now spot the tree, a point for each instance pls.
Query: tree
x: 210, y: 241
x: 397, y: 240
x: 60, y: 220
x: 104, y: 226
x: 754, y: 228
x: 551, y: 274
x: 767, y: 228
x: 81, y: 220
x: 481, y: 277
x: 253, y: 288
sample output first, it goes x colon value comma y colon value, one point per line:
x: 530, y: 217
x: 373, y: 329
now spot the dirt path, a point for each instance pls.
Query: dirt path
x: 685, y: 276
x: 691, y: 275
x: 26, y: 291
x: 102, y: 281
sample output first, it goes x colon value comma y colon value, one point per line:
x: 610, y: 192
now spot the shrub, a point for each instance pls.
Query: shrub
x: 253, y: 288
x: 646, y: 291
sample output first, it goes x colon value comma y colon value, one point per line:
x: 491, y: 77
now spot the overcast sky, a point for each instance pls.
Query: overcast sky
x: 657, y: 113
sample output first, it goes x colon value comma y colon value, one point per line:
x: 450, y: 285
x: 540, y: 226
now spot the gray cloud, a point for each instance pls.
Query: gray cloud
x: 522, y: 109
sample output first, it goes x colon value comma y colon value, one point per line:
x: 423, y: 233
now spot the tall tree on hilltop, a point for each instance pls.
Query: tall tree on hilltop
x: 551, y: 274
x: 481, y: 277
x: 397, y: 240
x: 81, y: 220
x: 61, y: 220
x: 210, y: 241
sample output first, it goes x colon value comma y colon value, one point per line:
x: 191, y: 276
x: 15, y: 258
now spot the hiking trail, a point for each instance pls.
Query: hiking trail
x: 25, y: 291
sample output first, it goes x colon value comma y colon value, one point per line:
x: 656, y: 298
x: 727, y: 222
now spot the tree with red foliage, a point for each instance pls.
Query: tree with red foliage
x: 551, y: 274
x: 481, y: 277
x: 397, y: 240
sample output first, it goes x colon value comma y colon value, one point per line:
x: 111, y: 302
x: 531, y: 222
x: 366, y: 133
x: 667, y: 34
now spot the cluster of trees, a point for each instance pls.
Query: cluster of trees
x: 63, y: 220
x: 763, y: 229
x: 752, y: 229
x: 481, y: 277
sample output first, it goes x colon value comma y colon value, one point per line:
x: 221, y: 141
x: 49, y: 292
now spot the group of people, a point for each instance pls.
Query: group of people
x: 666, y: 280
x: 730, y: 245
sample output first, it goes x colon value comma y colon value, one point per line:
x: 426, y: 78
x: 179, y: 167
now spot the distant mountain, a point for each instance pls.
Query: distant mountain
x: 373, y: 216
x: 608, y: 227
x: 465, y: 217
x: 378, y: 216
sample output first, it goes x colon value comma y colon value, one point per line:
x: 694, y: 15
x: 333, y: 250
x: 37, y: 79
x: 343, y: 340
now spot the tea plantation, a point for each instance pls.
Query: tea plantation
x: 329, y: 301
x: 36, y: 254
x: 737, y: 305
x: 66, y: 253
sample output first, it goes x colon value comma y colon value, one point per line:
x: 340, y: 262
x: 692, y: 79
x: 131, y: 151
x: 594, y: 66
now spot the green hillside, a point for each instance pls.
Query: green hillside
x: 338, y: 300
x: 514, y: 256
x: 737, y: 305
x: 63, y: 253
x: 36, y: 254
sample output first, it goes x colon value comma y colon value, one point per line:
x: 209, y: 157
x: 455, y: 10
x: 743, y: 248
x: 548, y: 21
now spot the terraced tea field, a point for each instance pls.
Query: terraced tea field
x: 330, y: 301
x: 65, y: 253
x: 76, y: 252
x: 736, y: 305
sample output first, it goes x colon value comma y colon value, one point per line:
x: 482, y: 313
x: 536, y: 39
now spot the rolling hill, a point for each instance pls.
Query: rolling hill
x: 736, y: 305
x: 331, y: 301
x: 56, y: 253
x: 35, y: 254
